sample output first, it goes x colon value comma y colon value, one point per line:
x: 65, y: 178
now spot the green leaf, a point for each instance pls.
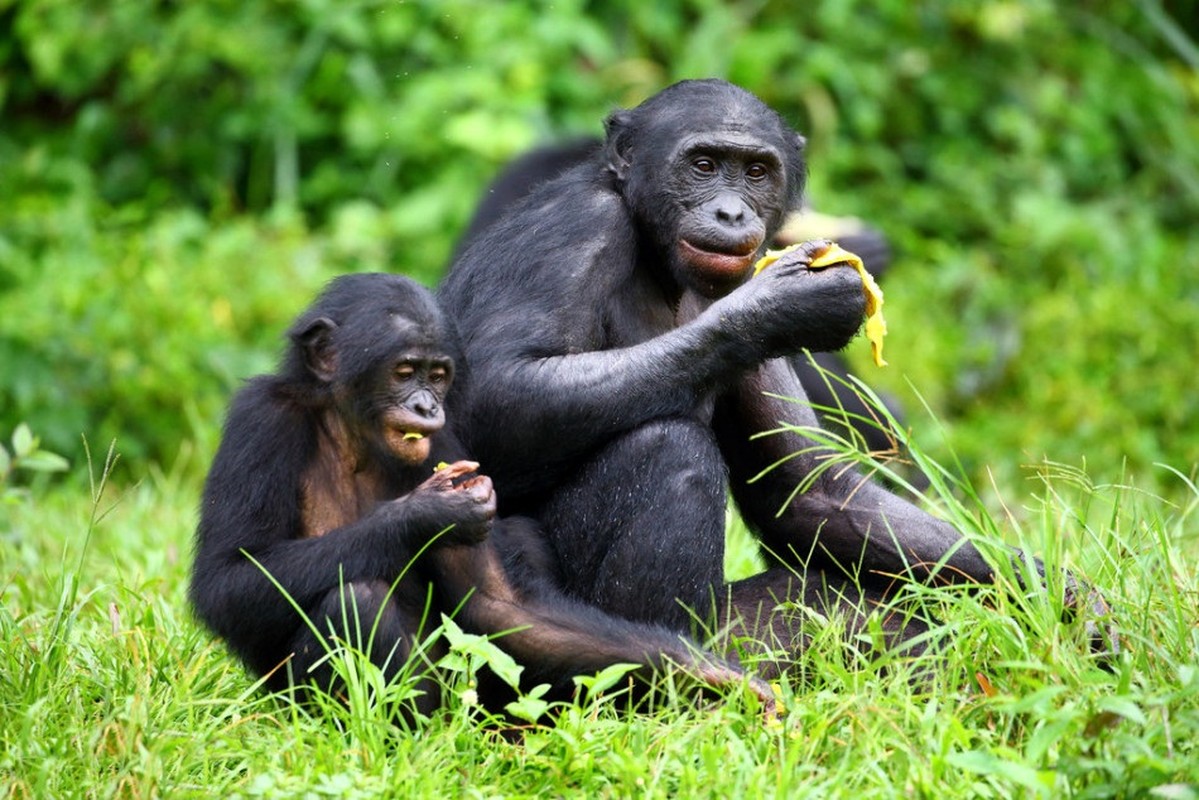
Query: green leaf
x: 1123, y: 706
x: 44, y: 461
x: 530, y: 707
x: 5, y: 462
x: 481, y: 650
x: 23, y: 442
x: 984, y: 763
x: 604, y: 679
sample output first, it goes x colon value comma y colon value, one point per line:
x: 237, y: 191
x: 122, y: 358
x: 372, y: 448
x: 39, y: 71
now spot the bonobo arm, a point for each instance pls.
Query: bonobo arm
x: 843, y: 515
x: 577, y: 347
x: 252, y: 503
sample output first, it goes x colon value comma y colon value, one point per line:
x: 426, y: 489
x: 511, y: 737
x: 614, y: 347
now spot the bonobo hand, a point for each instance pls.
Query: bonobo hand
x: 1102, y: 635
x: 788, y: 307
x: 450, y: 498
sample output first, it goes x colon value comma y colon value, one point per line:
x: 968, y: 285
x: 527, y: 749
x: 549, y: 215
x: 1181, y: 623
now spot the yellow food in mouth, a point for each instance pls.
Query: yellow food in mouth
x: 876, y: 326
x: 413, y: 436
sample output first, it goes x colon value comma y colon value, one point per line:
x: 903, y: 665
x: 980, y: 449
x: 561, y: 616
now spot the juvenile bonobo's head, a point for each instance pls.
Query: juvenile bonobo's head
x: 381, y: 356
x: 708, y: 171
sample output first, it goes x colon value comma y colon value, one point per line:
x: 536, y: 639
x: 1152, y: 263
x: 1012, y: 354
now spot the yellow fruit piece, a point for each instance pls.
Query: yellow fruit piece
x: 876, y: 326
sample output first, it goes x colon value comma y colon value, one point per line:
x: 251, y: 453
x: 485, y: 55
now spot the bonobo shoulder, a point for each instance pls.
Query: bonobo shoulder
x: 264, y: 425
x: 544, y: 249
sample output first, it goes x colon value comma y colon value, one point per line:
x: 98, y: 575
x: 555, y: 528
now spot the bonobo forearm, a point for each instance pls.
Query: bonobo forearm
x: 378, y: 546
x: 556, y: 638
x: 581, y: 399
x: 876, y: 531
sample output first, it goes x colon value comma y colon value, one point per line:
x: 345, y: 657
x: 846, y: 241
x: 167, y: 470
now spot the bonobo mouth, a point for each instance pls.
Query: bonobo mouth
x: 412, y: 433
x: 408, y: 443
x: 717, y: 263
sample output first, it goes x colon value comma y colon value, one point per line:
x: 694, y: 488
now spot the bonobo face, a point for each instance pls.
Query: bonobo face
x: 728, y: 187
x: 708, y: 171
x: 410, y: 390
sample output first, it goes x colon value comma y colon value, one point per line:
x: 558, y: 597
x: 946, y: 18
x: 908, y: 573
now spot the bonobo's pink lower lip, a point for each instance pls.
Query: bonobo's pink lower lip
x: 712, y: 262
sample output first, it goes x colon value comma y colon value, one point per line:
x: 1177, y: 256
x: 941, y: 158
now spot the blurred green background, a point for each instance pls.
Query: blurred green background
x: 177, y: 179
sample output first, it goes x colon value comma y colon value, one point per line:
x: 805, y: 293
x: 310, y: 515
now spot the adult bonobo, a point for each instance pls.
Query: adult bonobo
x: 621, y: 360
x: 825, y: 377
x: 324, y: 479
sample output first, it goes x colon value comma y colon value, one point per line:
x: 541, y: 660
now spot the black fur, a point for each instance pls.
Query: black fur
x: 617, y: 377
x: 370, y: 346
x: 824, y: 376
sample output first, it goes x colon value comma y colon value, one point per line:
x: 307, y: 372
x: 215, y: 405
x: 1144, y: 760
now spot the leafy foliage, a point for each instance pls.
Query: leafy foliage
x: 180, y: 178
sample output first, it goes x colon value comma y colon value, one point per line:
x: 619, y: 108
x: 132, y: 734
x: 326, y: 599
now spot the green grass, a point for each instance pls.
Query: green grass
x: 108, y: 688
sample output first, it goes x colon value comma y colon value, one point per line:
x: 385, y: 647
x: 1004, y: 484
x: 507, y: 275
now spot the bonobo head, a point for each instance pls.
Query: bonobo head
x: 708, y: 171
x: 378, y: 352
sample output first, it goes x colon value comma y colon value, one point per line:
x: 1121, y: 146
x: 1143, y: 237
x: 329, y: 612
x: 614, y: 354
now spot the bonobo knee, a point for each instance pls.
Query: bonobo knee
x: 678, y: 456
x: 358, y: 603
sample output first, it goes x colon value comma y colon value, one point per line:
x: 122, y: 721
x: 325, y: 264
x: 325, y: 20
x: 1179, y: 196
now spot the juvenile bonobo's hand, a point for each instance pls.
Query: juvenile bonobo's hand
x: 788, y: 307
x: 455, y: 496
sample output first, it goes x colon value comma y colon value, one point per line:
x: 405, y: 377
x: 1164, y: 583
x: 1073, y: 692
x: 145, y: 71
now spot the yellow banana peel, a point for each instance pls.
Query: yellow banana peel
x: 876, y: 326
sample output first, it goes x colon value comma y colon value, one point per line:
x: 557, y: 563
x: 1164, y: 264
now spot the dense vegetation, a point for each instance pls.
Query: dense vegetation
x: 178, y: 179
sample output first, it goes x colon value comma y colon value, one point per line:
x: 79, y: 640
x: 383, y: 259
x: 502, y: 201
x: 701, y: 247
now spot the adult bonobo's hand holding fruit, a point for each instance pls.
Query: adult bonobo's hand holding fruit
x: 829, y: 254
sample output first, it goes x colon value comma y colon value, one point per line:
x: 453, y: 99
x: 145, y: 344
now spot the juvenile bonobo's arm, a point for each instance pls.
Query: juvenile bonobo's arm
x: 851, y: 519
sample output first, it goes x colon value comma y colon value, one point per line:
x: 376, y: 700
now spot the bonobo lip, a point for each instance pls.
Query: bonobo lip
x: 414, y: 432
x: 712, y: 262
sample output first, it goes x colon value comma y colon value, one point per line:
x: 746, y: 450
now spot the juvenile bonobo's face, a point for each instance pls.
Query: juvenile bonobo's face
x: 411, y: 391
x: 709, y: 173
x: 377, y: 355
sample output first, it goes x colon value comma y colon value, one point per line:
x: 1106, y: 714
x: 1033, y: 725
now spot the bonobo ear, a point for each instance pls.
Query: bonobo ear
x: 616, y: 146
x: 801, y: 143
x: 316, y: 342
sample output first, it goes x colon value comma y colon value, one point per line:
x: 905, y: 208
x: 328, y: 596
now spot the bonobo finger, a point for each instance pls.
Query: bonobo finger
x: 722, y: 676
x: 480, y: 488
x: 456, y: 470
x: 444, y: 478
x: 801, y: 257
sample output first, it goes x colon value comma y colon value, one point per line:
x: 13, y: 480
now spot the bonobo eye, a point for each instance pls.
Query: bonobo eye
x: 438, y: 375
x: 704, y: 166
x: 756, y: 171
x: 404, y: 372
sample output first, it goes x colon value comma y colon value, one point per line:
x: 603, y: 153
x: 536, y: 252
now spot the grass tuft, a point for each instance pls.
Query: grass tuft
x: 109, y: 688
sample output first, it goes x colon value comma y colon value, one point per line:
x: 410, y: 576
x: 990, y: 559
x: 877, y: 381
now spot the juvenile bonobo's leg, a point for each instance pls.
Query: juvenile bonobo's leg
x: 350, y: 615
x: 640, y: 527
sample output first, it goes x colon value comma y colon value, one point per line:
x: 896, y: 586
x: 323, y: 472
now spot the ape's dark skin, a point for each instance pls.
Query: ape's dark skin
x: 622, y: 360
x: 325, y: 478
x: 824, y: 376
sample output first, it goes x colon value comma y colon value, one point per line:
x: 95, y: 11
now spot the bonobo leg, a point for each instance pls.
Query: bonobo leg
x: 768, y: 619
x: 365, y: 618
x: 640, y: 527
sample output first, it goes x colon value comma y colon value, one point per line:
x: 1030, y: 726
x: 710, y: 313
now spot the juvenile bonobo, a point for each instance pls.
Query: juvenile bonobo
x: 325, y: 478
x: 609, y: 323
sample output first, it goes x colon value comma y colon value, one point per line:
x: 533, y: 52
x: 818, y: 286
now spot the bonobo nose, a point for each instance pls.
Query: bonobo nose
x: 426, y: 407
x: 731, y: 215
